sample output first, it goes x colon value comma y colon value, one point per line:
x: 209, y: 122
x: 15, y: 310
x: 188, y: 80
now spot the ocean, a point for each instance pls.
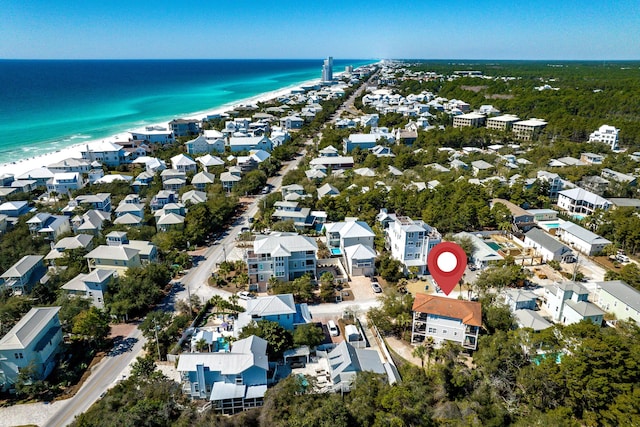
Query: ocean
x: 47, y: 105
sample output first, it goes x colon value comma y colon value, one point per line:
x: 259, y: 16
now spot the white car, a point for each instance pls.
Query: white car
x: 246, y: 295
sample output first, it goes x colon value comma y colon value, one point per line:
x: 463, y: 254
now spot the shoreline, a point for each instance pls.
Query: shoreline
x: 21, y: 166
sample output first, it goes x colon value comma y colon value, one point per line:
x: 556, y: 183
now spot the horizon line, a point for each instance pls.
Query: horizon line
x: 319, y: 58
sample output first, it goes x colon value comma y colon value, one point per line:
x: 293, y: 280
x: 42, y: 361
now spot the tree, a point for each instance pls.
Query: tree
x: 202, y: 345
x: 420, y: 352
x: 279, y: 338
x: 91, y: 325
x: 309, y: 334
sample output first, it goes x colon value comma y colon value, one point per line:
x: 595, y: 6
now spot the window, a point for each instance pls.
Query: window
x: 433, y: 330
x: 238, y: 379
x: 444, y: 331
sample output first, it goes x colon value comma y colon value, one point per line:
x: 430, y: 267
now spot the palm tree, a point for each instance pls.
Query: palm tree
x: 403, y: 320
x: 224, y: 269
x: 429, y: 346
x: 202, y: 345
x: 420, y: 352
x: 215, y: 302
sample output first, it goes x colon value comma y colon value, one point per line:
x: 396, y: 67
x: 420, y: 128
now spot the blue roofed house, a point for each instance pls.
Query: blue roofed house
x: 232, y: 381
x: 24, y: 274
x: 35, y: 340
x: 92, y: 286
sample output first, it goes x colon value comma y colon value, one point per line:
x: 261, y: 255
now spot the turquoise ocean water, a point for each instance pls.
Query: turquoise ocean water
x: 49, y: 105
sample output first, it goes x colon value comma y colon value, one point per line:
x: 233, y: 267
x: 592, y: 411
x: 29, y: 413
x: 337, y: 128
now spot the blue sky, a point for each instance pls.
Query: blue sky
x: 558, y: 29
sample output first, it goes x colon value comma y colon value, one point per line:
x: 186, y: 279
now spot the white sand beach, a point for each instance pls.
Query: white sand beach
x: 73, y: 151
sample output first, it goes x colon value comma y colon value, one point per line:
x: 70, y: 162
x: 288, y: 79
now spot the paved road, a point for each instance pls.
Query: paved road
x: 110, y: 369
x: 104, y: 375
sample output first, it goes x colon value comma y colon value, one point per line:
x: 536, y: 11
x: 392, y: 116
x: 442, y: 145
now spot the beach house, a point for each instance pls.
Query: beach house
x: 275, y: 308
x: 446, y: 319
x: 48, y: 226
x: 91, y: 286
x: 105, y: 152
x: 23, y: 275
x: 410, y: 242
x: 567, y: 302
x: 620, y: 299
x: 232, y: 381
x: 33, y: 342
x: 285, y: 256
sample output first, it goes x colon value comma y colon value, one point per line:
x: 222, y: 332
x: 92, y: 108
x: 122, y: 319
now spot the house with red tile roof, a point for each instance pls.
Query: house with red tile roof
x: 446, y: 319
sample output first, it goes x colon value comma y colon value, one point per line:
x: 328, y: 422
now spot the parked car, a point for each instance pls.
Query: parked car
x: 246, y: 295
x: 333, y: 329
x: 376, y: 287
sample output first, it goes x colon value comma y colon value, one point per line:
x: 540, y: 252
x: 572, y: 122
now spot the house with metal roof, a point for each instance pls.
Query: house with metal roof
x: 281, y: 309
x: 446, y: 319
x: 410, y: 242
x: 14, y: 209
x: 119, y: 258
x: 620, y: 299
x: 92, y: 286
x: 526, y: 318
x: 579, y: 201
x: 24, y: 274
x: 48, y: 226
x: 346, y: 361
x: 285, y: 256
x: 581, y: 239
x: 62, y: 246
x: 34, y: 341
x: 482, y: 254
x: 547, y: 247
x: 567, y: 303
x: 232, y: 381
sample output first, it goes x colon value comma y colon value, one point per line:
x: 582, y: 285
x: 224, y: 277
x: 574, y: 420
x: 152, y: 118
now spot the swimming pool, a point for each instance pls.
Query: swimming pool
x: 494, y: 246
x: 336, y: 251
x: 579, y: 217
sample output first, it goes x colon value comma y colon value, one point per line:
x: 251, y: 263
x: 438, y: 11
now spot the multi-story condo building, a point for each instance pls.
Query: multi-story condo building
x: 327, y: 70
x: 285, y: 256
x: 446, y: 319
x: 469, y: 120
x: 504, y: 122
x: 410, y: 241
x: 528, y: 129
x: 607, y: 135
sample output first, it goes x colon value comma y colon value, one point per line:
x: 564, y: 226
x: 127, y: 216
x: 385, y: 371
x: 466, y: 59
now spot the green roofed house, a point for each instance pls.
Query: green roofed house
x: 34, y: 341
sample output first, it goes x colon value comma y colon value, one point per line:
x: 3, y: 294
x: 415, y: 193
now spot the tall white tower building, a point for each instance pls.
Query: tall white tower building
x: 327, y: 70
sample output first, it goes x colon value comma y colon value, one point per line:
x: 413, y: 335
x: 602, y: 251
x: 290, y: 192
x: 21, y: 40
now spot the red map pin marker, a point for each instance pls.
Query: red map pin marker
x: 446, y: 262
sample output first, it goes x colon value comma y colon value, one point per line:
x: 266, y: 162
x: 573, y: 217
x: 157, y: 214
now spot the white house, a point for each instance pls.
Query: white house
x: 65, y: 182
x: 105, y: 152
x: 345, y: 361
x: 446, y: 319
x: 203, y: 144
x: 34, y: 341
x: 581, y: 239
x: 410, y: 242
x: 547, y: 247
x: 482, y: 255
x: 184, y: 164
x: 579, y: 201
x: 23, y: 275
x: 567, y: 303
x: 48, y: 226
x: 606, y: 134
x: 620, y: 299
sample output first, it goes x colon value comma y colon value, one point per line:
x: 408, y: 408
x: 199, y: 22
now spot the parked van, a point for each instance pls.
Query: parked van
x: 333, y: 329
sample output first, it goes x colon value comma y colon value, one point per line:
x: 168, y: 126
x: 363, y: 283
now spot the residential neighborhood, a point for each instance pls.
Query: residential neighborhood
x: 289, y: 241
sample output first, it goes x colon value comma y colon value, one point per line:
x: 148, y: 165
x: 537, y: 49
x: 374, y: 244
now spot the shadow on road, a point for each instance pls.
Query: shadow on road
x: 122, y: 345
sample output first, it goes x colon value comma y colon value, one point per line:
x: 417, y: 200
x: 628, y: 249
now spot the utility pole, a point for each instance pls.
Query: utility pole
x: 155, y: 329
x: 189, y: 301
